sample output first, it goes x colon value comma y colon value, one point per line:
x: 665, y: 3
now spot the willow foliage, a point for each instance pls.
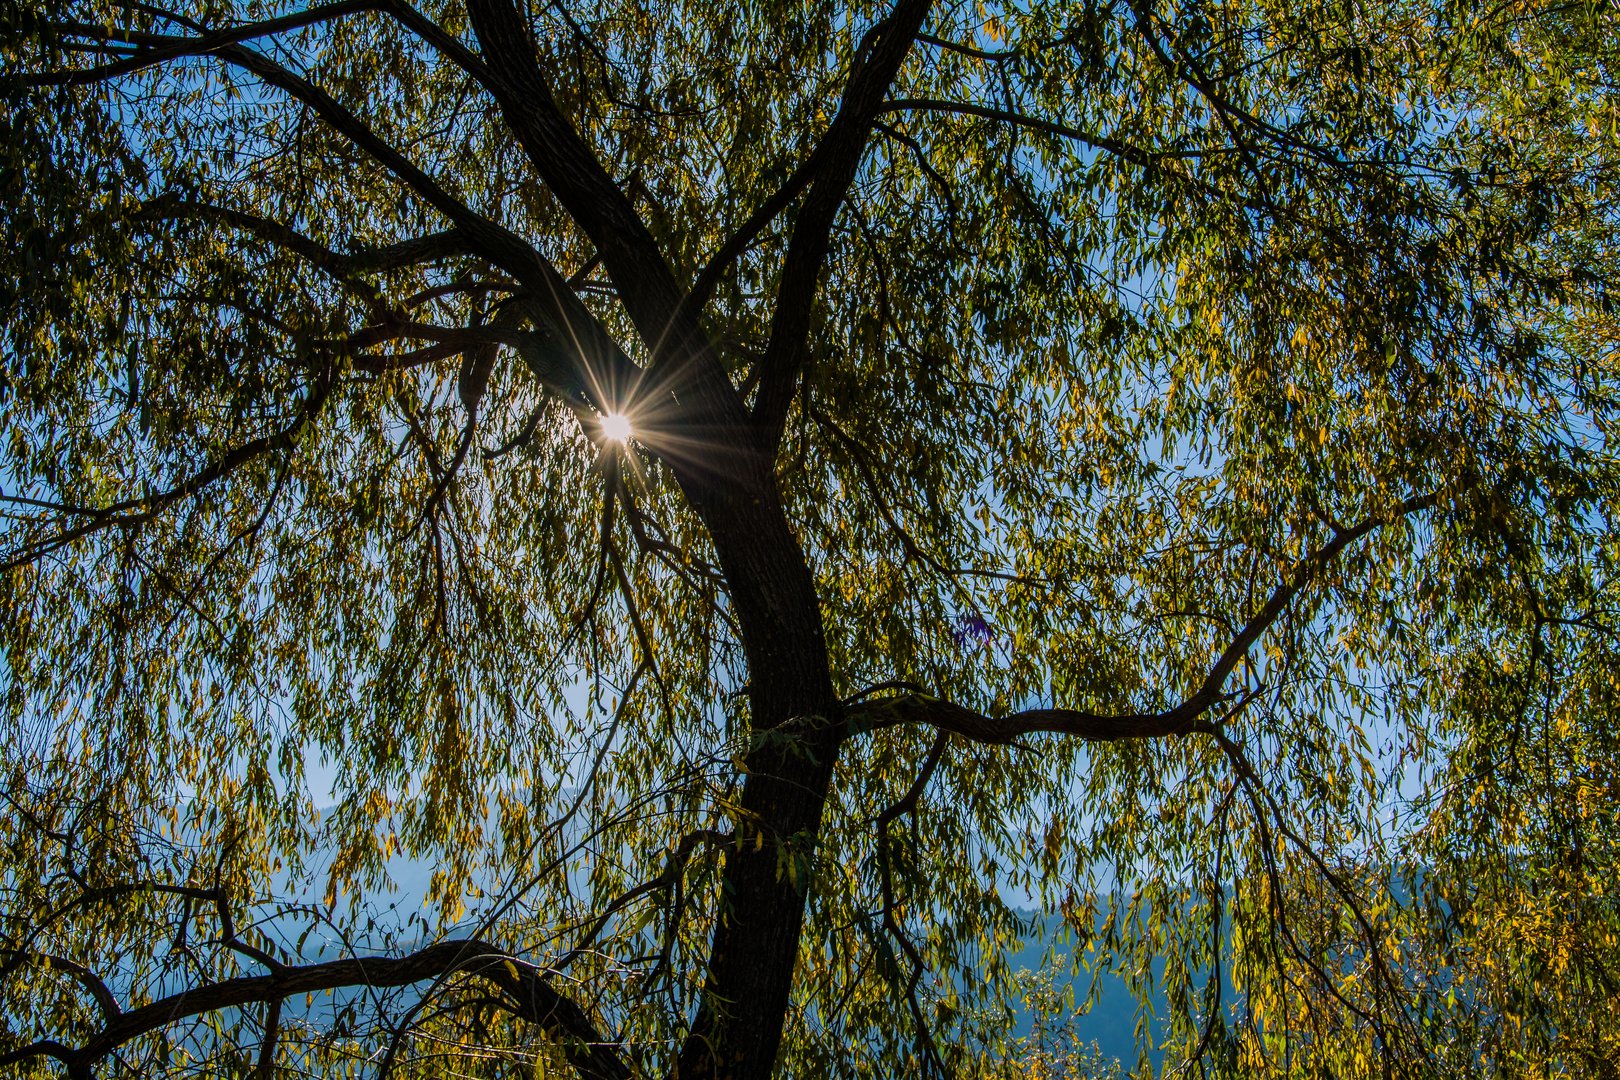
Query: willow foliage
x: 1146, y: 460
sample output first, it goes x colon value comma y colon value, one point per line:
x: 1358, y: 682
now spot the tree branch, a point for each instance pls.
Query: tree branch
x: 582, y: 358
x: 841, y: 150
x: 593, y: 359
x: 86, y: 978
x: 527, y: 989
x: 569, y: 167
x: 157, y: 49
x: 1182, y: 719
x: 1134, y: 154
x: 395, y: 256
x: 555, y: 300
x: 1002, y: 730
x: 45, y: 1048
x: 136, y: 511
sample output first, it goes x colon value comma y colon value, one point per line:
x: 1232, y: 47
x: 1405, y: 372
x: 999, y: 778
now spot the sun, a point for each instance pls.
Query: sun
x: 616, y: 426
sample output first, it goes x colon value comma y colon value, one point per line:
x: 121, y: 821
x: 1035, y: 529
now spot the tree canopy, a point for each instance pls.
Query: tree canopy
x: 761, y: 496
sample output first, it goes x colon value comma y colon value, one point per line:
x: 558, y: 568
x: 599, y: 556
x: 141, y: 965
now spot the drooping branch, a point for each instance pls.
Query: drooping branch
x: 664, y: 881
x: 92, y: 983
x: 595, y: 359
x: 740, y: 240
x: 1185, y: 718
x: 1383, y: 966
x: 526, y: 991
x: 842, y: 147
x: 444, y: 244
x: 154, y: 49
x: 1134, y: 154
x: 869, y: 471
x: 591, y: 349
x: 907, y: 805
x: 135, y: 511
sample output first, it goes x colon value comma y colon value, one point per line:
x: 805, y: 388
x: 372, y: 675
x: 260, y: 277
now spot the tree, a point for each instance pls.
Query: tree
x: 755, y: 493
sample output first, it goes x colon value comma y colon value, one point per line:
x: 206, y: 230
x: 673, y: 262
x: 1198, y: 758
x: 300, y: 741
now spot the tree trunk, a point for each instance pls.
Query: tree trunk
x: 738, y: 1027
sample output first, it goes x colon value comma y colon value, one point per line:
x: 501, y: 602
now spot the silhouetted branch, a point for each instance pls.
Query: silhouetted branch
x: 876, y: 64
x: 136, y: 511
x: 1185, y: 718
x: 527, y: 992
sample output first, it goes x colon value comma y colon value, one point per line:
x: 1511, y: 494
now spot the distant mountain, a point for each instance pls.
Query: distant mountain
x: 1111, y: 1020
